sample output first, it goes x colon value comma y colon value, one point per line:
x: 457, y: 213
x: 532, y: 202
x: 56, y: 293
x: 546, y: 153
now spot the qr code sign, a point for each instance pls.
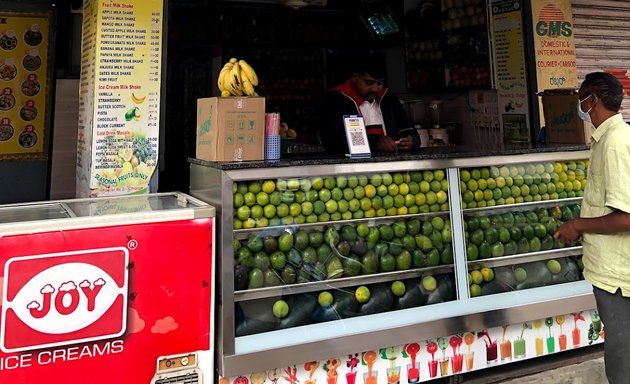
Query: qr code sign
x: 357, y: 138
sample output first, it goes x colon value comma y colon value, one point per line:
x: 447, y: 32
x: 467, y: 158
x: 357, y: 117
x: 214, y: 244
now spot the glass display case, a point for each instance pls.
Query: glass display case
x: 324, y: 257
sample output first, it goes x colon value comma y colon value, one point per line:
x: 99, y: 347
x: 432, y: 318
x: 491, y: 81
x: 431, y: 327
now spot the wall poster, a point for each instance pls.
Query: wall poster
x: 24, y: 84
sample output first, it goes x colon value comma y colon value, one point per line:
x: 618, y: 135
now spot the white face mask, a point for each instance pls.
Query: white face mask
x: 584, y: 115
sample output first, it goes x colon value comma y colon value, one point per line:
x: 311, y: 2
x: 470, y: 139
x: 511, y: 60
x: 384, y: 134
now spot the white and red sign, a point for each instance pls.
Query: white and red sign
x: 64, y: 298
x: 104, y: 304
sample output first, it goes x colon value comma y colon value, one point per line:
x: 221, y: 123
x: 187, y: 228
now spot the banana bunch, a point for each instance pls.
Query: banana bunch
x: 237, y: 78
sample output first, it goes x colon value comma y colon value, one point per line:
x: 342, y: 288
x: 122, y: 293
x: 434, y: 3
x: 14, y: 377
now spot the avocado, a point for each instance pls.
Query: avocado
x: 445, y: 290
x: 351, y: 265
x: 381, y: 300
x: 294, y: 257
x: 315, y: 239
x: 255, y: 244
x: 245, y: 257
x: 348, y: 233
x: 369, y: 263
x: 359, y: 247
x: 271, y: 278
x: 381, y: 248
x: 504, y: 277
x: 538, y: 275
x: 288, y: 275
x: 413, y: 296
x: 344, y: 306
x: 331, y: 236
x: 301, y: 308
x: 256, y: 316
x: 343, y: 248
x: 491, y: 288
x: 395, y: 247
x: 418, y: 259
x: 569, y: 272
x: 240, y: 277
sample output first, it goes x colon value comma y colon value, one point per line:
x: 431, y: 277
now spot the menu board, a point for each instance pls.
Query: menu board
x: 511, y: 79
x: 119, y: 96
x: 24, y: 39
x: 554, y: 46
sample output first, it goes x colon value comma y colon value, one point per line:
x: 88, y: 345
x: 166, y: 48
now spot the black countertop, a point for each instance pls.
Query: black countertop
x: 456, y: 152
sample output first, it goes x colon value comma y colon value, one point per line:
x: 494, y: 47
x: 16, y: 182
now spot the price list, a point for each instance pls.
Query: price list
x: 125, y: 99
x: 510, y: 69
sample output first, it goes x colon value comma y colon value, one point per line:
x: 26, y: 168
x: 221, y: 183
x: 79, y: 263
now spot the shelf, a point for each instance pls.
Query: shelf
x: 343, y: 282
x: 276, y: 230
x: 526, y: 257
x: 509, y: 207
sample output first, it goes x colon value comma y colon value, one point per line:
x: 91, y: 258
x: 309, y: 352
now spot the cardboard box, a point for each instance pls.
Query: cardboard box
x: 231, y: 128
x: 562, y: 123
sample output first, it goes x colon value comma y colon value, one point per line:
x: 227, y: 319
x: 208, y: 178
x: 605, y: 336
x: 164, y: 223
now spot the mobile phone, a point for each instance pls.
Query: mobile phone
x: 405, y: 131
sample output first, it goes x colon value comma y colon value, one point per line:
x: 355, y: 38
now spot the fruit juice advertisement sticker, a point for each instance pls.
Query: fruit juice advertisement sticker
x: 24, y: 80
x: 119, y: 131
x: 421, y: 361
x: 92, y: 304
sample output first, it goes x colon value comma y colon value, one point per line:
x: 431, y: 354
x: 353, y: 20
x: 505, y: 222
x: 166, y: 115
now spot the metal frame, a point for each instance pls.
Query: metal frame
x: 320, y: 341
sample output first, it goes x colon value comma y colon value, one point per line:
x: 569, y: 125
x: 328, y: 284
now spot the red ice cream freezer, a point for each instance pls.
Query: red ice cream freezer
x: 107, y: 290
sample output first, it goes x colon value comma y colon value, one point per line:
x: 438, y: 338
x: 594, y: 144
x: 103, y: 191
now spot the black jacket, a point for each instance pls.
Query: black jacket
x: 342, y: 100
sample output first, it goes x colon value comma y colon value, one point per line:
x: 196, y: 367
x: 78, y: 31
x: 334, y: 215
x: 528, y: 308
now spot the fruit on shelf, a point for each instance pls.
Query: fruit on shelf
x: 315, y: 254
x: 525, y: 276
x: 237, y: 78
x: 328, y: 198
x: 268, y: 314
x: 467, y: 75
x: 422, y: 51
x: 463, y: 13
x: 518, y: 232
x: 519, y: 183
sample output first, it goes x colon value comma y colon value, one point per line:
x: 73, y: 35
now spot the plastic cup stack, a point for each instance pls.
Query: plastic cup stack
x: 272, y: 136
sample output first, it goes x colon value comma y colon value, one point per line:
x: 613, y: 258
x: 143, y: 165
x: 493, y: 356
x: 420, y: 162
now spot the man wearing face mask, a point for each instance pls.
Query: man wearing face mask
x: 386, y: 122
x: 604, y: 223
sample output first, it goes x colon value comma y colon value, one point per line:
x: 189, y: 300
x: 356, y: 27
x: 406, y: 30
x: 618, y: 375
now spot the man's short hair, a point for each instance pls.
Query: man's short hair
x: 606, y: 87
x: 370, y: 65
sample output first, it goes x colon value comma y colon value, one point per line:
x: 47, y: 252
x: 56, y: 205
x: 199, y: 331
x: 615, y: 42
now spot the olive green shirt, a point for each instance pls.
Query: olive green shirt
x: 607, y: 257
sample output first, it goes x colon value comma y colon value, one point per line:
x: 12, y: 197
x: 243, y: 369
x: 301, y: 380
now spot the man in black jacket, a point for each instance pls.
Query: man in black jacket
x: 387, y: 125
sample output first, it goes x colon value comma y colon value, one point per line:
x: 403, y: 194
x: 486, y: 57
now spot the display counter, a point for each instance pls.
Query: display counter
x: 328, y: 257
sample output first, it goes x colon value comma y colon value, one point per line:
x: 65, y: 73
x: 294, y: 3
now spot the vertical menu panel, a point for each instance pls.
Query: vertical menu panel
x: 124, y: 86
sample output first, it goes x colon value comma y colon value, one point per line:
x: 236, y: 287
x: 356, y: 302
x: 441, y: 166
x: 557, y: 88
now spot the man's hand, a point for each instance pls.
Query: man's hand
x: 386, y: 144
x: 568, y: 233
x: 405, y: 144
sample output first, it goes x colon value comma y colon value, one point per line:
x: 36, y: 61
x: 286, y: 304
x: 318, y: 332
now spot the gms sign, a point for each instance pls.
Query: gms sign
x: 554, y: 47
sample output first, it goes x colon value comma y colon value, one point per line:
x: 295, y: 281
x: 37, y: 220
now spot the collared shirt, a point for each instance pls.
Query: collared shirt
x: 607, y: 257
x: 372, y: 114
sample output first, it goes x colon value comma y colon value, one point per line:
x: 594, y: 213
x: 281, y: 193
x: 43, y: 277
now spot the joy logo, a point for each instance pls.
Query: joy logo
x: 64, y: 298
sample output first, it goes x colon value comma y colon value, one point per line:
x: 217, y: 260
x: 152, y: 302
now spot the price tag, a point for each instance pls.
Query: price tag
x: 358, y: 144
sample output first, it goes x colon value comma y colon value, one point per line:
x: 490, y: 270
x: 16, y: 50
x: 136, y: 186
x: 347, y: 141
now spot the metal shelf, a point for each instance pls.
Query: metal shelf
x: 293, y: 289
x: 526, y: 257
x: 276, y: 230
x: 509, y: 207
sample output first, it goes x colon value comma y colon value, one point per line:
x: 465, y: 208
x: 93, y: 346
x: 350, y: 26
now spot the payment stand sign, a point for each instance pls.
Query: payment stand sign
x: 102, y: 304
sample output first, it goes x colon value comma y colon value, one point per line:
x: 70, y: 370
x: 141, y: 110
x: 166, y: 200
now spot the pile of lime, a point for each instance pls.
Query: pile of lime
x: 315, y: 254
x: 522, y: 183
x: 262, y: 203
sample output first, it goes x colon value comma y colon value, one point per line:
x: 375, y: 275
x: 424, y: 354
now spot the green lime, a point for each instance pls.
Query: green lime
x: 398, y: 288
x: 280, y: 309
x: 325, y: 299
x: 362, y: 294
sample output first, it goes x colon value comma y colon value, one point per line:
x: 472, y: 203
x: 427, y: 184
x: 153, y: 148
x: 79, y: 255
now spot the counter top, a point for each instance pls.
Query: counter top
x: 454, y: 152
